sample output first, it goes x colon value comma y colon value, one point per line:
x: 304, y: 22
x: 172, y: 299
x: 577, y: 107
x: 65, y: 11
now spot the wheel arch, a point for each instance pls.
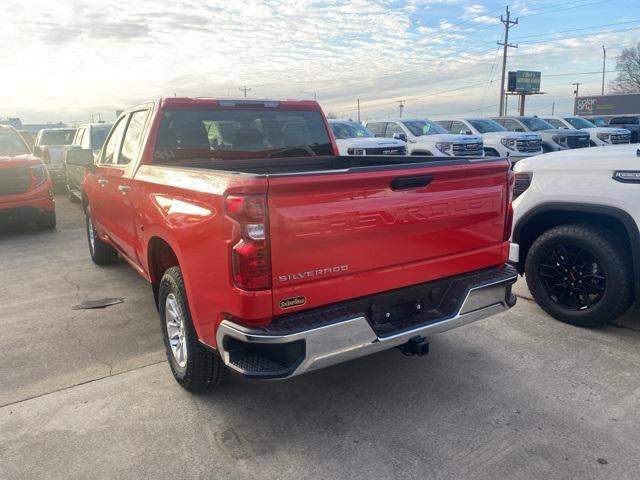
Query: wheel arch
x: 546, y: 216
x: 160, y: 257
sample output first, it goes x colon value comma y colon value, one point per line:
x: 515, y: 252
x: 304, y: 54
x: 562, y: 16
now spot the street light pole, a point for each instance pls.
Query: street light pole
x: 604, y: 65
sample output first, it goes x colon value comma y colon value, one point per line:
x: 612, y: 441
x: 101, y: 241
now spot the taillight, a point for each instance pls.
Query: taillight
x: 45, y: 156
x: 523, y: 181
x: 38, y: 174
x: 508, y: 221
x: 250, y: 257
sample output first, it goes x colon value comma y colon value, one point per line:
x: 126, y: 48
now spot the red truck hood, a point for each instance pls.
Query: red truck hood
x: 8, y: 161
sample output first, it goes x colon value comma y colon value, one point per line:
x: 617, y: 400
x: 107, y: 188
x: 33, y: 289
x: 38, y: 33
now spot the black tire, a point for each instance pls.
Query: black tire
x: 73, y: 198
x: 47, y: 221
x: 101, y: 252
x: 491, y: 152
x: 605, y: 258
x: 203, y: 369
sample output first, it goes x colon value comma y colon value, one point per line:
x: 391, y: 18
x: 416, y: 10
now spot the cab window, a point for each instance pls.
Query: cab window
x: 110, y: 146
x: 392, y: 129
x: 377, y: 128
x: 132, y: 141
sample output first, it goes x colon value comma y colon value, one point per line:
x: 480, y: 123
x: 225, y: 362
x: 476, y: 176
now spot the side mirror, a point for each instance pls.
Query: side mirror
x: 519, y: 129
x: 400, y: 136
x: 37, y: 150
x: 80, y: 157
x: 466, y: 132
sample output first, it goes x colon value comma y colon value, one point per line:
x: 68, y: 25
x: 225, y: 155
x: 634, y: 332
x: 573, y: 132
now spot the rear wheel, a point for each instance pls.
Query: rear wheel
x: 580, y: 274
x: 193, y: 366
x: 101, y: 252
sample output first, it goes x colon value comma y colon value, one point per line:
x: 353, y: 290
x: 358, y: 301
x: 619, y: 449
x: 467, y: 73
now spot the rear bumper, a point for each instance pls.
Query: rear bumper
x: 319, y: 338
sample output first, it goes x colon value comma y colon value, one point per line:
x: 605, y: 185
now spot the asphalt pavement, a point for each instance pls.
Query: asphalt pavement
x: 88, y: 394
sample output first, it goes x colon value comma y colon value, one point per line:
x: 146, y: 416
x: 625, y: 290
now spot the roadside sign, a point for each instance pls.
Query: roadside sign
x: 622, y: 104
x: 524, y: 81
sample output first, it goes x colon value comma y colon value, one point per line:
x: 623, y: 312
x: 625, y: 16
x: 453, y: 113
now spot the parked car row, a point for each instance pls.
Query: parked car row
x: 513, y: 137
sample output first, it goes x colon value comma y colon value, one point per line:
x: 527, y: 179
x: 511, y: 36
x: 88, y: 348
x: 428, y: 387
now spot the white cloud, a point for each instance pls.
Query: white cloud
x: 69, y: 58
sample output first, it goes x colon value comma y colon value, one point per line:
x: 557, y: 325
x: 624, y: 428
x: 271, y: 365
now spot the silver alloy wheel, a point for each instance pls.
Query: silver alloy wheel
x: 91, y: 232
x: 175, y: 330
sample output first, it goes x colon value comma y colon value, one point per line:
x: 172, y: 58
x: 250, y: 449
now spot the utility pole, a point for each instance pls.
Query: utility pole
x: 577, y: 85
x: 508, y: 23
x: 553, y: 109
x: 604, y: 64
x: 401, y: 106
x: 358, y: 110
x: 245, y: 89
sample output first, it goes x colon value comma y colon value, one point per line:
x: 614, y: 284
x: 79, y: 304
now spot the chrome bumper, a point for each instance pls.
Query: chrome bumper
x: 352, y: 337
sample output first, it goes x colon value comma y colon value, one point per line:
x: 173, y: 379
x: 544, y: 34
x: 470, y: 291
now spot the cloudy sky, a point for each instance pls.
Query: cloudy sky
x: 66, y: 59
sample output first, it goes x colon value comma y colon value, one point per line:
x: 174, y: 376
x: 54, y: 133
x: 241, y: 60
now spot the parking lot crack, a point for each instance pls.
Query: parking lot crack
x: 88, y: 349
x: 72, y: 283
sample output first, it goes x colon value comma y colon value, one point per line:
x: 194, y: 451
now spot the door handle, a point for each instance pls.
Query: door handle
x: 406, y: 183
x: 102, y: 182
x: 124, y: 189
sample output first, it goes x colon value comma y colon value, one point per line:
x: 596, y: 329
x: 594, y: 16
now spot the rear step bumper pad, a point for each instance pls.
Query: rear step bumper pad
x: 264, y: 354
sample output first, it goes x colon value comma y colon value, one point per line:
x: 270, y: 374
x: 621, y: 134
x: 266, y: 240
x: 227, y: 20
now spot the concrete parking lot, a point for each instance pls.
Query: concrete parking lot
x: 87, y: 393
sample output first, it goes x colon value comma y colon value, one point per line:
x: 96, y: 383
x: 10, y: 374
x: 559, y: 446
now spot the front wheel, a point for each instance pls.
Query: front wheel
x: 101, y: 252
x: 580, y: 274
x: 47, y: 221
x: 193, y: 366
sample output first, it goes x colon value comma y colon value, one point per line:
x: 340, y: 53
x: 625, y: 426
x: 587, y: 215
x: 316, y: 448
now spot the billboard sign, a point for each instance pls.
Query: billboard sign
x: 523, y: 81
x: 623, y: 104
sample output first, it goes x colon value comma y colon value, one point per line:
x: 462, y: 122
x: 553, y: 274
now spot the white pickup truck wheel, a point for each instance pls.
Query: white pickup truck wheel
x: 579, y: 274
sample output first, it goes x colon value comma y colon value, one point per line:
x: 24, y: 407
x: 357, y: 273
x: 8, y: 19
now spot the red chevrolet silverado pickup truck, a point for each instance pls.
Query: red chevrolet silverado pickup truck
x: 271, y: 255
x: 26, y: 191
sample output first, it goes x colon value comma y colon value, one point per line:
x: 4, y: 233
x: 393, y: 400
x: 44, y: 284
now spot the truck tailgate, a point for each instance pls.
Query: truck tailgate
x: 343, y: 235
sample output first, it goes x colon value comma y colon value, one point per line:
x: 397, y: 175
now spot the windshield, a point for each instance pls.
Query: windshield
x: 11, y: 143
x: 579, y: 122
x: 57, y: 137
x: 241, y: 134
x: 486, y: 126
x: 98, y: 135
x: 599, y: 122
x: 536, y: 124
x: 344, y: 130
x: 423, y: 127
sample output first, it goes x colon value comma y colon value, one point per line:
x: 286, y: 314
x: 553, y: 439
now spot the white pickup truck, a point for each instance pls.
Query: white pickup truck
x: 353, y: 139
x: 498, y: 141
x: 425, y: 137
x: 553, y: 139
x: 599, y: 136
x: 576, y: 221
x: 50, y: 146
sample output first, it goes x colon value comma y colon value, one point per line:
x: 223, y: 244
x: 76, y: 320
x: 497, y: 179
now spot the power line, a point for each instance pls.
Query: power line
x: 245, y: 89
x: 577, y: 29
x: 570, y: 7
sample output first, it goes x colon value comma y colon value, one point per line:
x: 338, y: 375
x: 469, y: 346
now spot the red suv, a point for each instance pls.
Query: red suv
x: 25, y: 186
